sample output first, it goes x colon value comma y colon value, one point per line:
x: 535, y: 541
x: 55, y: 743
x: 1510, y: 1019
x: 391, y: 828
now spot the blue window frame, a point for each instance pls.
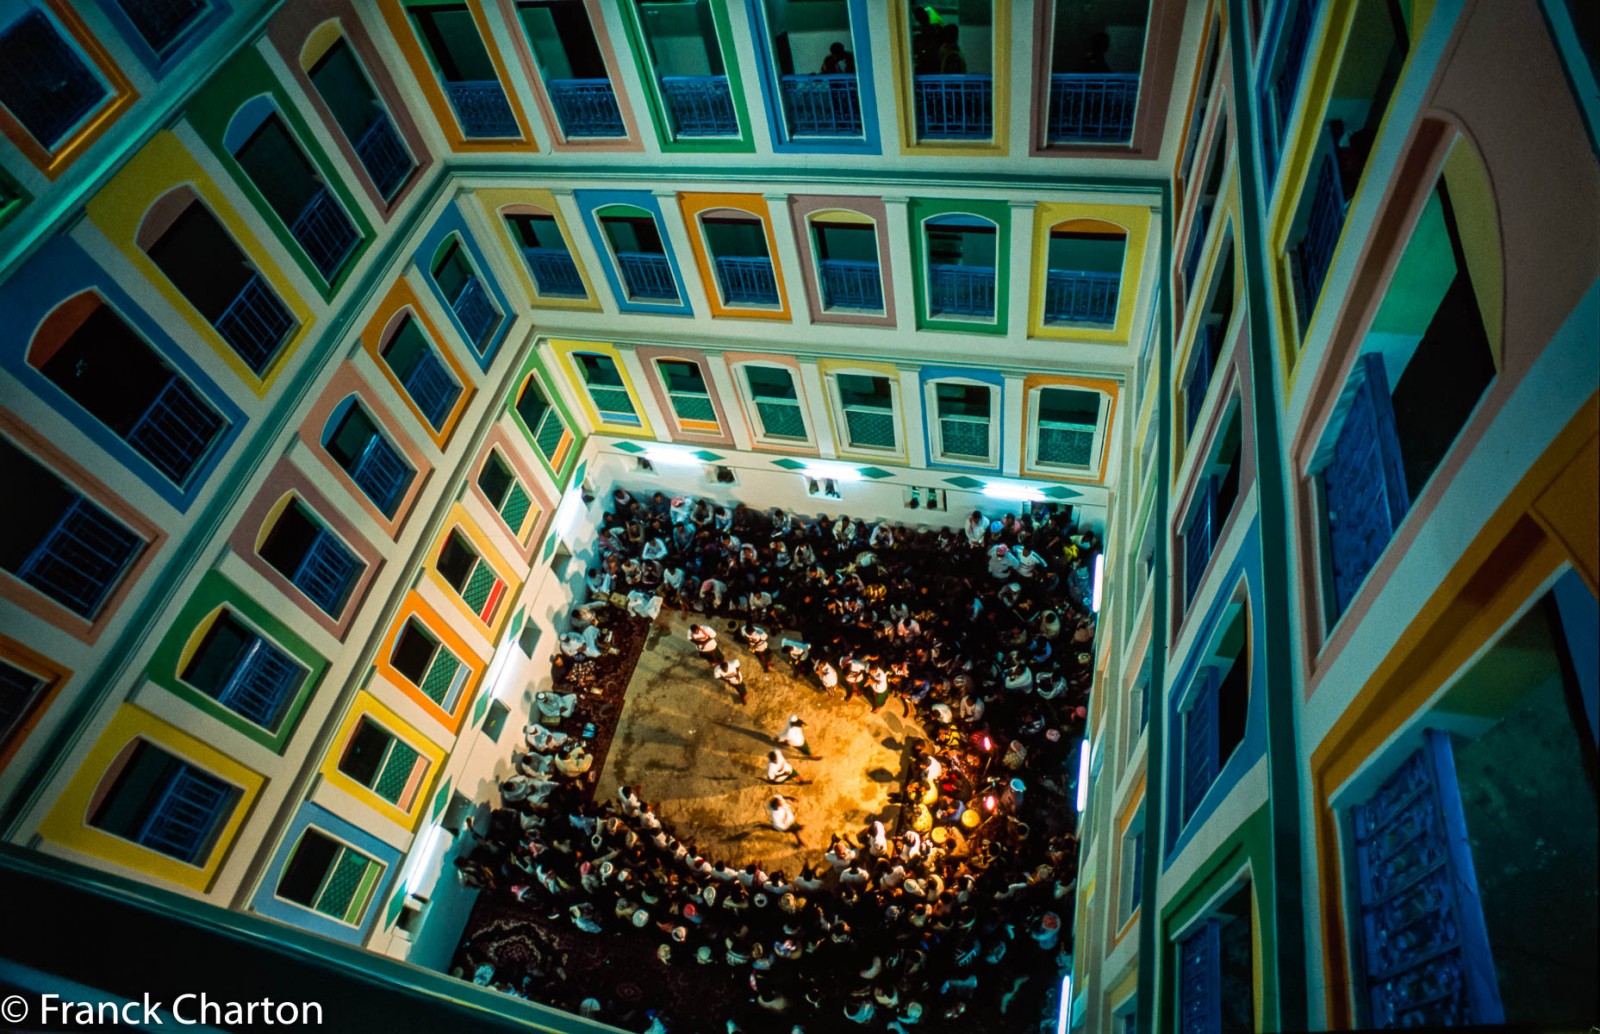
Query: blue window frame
x: 641, y: 256
x: 62, y: 544
x: 45, y: 82
x: 164, y: 803
x: 330, y: 877
x: 20, y: 693
x: 1424, y: 957
x: 423, y: 375
x: 467, y: 296
x: 304, y: 551
x: 1200, y: 761
x: 353, y: 440
x: 361, y: 116
x: 244, y: 671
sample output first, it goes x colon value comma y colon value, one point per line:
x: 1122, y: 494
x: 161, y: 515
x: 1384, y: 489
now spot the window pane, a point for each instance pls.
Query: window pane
x: 365, y: 752
x: 302, y: 876
x: 44, y: 81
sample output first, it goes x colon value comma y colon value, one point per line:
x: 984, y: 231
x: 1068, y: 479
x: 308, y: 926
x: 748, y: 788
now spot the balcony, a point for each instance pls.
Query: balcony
x: 555, y: 273
x: 1066, y: 445
x: 1092, y: 108
x: 326, y: 572
x: 1198, y: 540
x: 381, y: 474
x: 954, y: 107
x: 848, y: 284
x: 781, y: 418
x: 1309, y: 260
x: 176, y: 430
x: 482, y: 109
x: 747, y: 280
x: 432, y: 388
x: 189, y: 806
x: 325, y: 232
x: 255, y: 323
x: 822, y: 105
x: 476, y: 312
x: 80, y: 558
x: 700, y: 105
x: 693, y: 406
x: 261, y: 681
x: 1287, y: 81
x: 611, y: 399
x: 1194, y: 393
x: 384, y: 156
x: 961, y: 291
x: 647, y: 276
x: 966, y: 436
x: 1074, y: 296
x: 869, y: 428
x: 586, y: 107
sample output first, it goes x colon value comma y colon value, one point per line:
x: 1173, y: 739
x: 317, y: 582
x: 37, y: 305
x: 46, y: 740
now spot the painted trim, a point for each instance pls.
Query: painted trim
x: 772, y: 98
x: 266, y: 902
x: 365, y: 705
x: 590, y: 204
x: 695, y: 207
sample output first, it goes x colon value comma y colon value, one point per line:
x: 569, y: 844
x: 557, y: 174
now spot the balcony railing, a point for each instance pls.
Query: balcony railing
x: 609, y: 399
x: 80, y: 558
x: 693, y: 406
x: 747, y: 280
x: 548, y: 434
x: 964, y: 436
x: 255, y: 323
x: 176, y: 430
x: 381, y: 473
x: 848, y: 284
x: 261, y: 681
x: 647, y: 275
x: 1194, y: 393
x: 476, y: 312
x: 1311, y: 257
x: 482, y: 109
x: 586, y: 107
x: 700, y: 105
x: 1287, y: 81
x: 1197, y: 245
x: 869, y: 428
x: 1066, y: 445
x: 186, y: 811
x: 1199, y: 538
x: 432, y: 388
x: 326, y: 572
x: 555, y: 272
x: 780, y: 418
x: 822, y: 105
x: 325, y: 232
x: 962, y: 290
x: 1075, y: 296
x: 384, y: 156
x: 954, y: 107
x: 1092, y: 108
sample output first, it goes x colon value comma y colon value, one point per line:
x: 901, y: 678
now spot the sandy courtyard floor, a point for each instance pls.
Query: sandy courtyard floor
x: 700, y: 757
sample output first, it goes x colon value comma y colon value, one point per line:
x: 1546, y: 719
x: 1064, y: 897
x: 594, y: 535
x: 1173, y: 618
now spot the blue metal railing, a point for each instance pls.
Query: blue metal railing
x: 1199, y: 539
x: 554, y: 272
x: 81, y: 557
x: 1194, y: 392
x: 175, y: 430
x: 482, y: 109
x: 1075, y: 296
x: 325, y: 232
x: 1364, y: 484
x: 161, y: 22
x: 700, y: 105
x: 822, y: 105
x: 1197, y: 245
x: 1200, y: 980
x: 647, y: 275
x: 260, y: 682
x: 181, y: 822
x: 961, y: 290
x: 586, y: 107
x: 1097, y: 108
x: 432, y: 388
x: 1312, y: 256
x: 747, y: 280
x: 381, y: 474
x: 1287, y: 81
x: 326, y: 572
x: 954, y: 107
x: 384, y: 156
x: 848, y: 284
x: 255, y: 323
x: 476, y: 312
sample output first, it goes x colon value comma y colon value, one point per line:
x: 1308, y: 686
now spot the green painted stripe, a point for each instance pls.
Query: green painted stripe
x: 363, y: 895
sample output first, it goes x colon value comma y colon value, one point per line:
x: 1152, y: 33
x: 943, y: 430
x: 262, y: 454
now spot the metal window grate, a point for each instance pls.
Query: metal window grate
x: 384, y: 156
x: 259, y: 685
x: 966, y: 436
x: 255, y: 323
x: 1314, y: 254
x: 647, y: 275
x: 1287, y: 82
x: 81, y: 557
x: 586, y: 107
x: 441, y: 676
x: 700, y: 105
x: 822, y: 105
x: 1075, y: 296
x: 548, y: 435
x: 326, y: 572
x: 1199, y: 539
x: 1066, y: 445
x: 869, y: 428
x: 345, y: 880
x: 176, y: 430
x: 480, y: 586
x: 961, y: 290
x: 325, y: 232
x: 1200, y: 741
x: 747, y: 280
x: 515, y: 508
x: 554, y: 272
x: 1194, y: 392
x: 1092, y: 108
x: 432, y: 388
x: 954, y: 107
x: 476, y: 311
x: 611, y: 400
x: 1364, y: 485
x: 692, y: 406
x: 1200, y: 980
x: 188, y: 809
x: 381, y: 474
x: 848, y: 284
x: 395, y: 774
x: 482, y: 109
x: 781, y: 418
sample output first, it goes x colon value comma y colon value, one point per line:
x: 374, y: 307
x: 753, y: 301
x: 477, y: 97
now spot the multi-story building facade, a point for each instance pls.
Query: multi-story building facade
x: 1295, y: 300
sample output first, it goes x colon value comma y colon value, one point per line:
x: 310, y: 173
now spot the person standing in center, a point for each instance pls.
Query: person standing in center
x: 704, y: 638
x: 755, y: 637
x: 728, y: 671
x: 794, y: 736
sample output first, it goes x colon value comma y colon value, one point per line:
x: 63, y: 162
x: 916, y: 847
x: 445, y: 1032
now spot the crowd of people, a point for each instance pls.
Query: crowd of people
x: 981, y: 633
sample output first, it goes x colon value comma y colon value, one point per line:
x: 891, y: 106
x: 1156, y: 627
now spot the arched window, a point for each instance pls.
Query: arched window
x: 775, y: 398
x: 1084, y: 272
x: 241, y: 668
x: 1213, y: 709
x: 302, y: 549
x: 963, y: 426
x: 607, y: 389
x: 541, y: 419
x: 867, y: 410
x: 1069, y: 428
x: 641, y: 257
x: 413, y: 360
x: 846, y: 245
x: 466, y: 293
x: 345, y: 88
x: 537, y: 234
x: 961, y: 257
x: 351, y: 436
x: 736, y: 242
x: 163, y: 802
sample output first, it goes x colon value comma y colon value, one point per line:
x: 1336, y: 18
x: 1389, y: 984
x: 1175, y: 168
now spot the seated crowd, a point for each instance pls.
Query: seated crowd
x: 984, y: 631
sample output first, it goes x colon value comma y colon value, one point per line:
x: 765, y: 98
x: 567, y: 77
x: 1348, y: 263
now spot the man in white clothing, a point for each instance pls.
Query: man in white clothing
x: 794, y: 737
x: 779, y: 770
x: 780, y: 812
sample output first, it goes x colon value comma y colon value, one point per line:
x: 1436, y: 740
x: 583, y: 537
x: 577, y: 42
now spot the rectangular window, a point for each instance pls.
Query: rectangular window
x: 687, y: 390
x: 330, y: 877
x: 816, y: 70
x: 574, y: 72
x: 847, y: 258
x: 963, y: 414
x: 471, y: 576
x: 384, y: 764
x: 164, y: 803
x: 686, y: 56
x: 868, y: 407
x: 61, y: 543
x: 1216, y: 970
x: 301, y: 549
x: 1215, y: 713
x: 45, y: 82
x: 163, y: 23
x: 244, y: 672
x: 1094, y: 72
x: 20, y: 693
x: 777, y: 403
x: 356, y: 107
x: 372, y: 462
x: 542, y: 421
x: 467, y: 296
x: 952, y: 78
x: 449, y: 35
x: 1083, y: 278
x: 419, y: 656
x: 424, y: 376
x: 554, y: 272
x: 606, y: 389
x: 1214, y: 500
x: 1067, y: 429
x: 504, y: 492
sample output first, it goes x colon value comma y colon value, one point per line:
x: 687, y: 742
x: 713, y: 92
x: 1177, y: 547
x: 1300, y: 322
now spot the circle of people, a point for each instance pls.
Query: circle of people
x: 985, y: 631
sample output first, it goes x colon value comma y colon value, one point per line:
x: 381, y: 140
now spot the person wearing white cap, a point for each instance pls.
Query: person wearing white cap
x: 794, y: 736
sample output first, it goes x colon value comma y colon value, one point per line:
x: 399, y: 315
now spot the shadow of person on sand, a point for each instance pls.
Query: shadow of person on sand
x: 754, y: 734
